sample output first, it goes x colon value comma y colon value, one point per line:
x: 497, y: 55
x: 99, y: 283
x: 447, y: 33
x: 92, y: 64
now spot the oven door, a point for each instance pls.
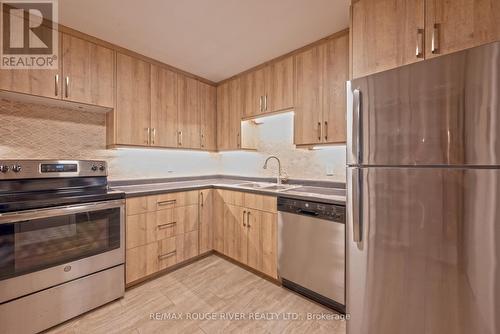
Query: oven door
x: 43, y: 248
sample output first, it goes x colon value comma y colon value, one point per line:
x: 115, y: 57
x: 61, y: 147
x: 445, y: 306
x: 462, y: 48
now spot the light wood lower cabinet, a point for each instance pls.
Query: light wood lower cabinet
x: 161, y: 231
x: 245, y: 226
x: 206, y: 209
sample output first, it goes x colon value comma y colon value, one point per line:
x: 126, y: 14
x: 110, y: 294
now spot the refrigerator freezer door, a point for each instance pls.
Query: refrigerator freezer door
x: 444, y: 111
x: 428, y: 259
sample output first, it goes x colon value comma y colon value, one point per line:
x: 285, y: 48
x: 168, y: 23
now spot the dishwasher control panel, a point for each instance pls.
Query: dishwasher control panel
x: 313, y: 209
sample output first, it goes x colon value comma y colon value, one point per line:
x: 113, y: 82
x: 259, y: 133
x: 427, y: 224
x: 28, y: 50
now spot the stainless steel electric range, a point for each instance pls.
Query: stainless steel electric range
x: 61, y: 242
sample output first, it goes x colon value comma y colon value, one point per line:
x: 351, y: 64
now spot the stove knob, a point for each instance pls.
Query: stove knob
x: 4, y: 169
x: 94, y: 168
x: 102, y: 168
x: 16, y: 168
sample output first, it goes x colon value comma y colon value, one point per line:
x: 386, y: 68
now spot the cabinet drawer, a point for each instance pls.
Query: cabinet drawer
x: 137, y: 205
x: 141, y: 261
x: 172, y: 222
x: 260, y: 202
x: 172, y: 200
x: 167, y: 253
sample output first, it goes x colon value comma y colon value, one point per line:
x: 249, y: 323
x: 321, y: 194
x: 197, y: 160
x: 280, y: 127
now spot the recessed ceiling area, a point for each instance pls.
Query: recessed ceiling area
x: 214, y: 39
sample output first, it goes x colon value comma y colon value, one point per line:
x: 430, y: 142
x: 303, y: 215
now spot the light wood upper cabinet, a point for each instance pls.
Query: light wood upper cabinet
x: 163, y: 107
x: 336, y: 73
x: 229, y: 108
x: 133, y: 98
x: 308, y: 96
x: 385, y: 34
x: 461, y: 24
x: 280, y: 91
x: 254, y: 85
x: 88, y: 72
x: 208, y: 114
x: 188, y: 113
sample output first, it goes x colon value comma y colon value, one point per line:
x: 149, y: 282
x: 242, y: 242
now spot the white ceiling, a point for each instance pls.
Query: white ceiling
x: 214, y: 39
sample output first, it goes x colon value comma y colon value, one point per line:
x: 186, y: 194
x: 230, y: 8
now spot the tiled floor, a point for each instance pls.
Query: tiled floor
x: 211, y: 287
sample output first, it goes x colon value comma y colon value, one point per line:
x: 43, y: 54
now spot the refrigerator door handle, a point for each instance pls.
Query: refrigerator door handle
x: 354, y: 139
x: 354, y: 202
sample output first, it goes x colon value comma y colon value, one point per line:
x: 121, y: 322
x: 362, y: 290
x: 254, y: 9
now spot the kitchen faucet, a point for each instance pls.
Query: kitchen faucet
x: 278, y: 180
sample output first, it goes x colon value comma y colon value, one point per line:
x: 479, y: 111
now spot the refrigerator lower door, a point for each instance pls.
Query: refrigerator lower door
x: 427, y: 258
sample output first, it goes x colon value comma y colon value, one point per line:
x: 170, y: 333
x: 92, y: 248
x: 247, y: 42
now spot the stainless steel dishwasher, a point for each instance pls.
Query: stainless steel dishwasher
x: 311, y: 250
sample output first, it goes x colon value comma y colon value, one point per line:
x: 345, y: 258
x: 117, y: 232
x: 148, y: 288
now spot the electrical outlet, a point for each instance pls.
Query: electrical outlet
x: 330, y: 171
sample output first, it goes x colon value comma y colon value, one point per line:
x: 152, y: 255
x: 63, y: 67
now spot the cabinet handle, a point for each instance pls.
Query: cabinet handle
x: 202, y: 140
x: 164, y: 226
x: 153, y: 135
x: 180, y: 138
x: 148, y: 135
x: 201, y: 198
x: 165, y: 256
x: 265, y: 103
x: 244, y: 212
x: 326, y: 131
x: 260, y: 103
x: 170, y: 201
x: 66, y: 88
x: 248, y: 219
x: 319, y: 131
x: 420, y: 43
x: 56, y: 84
x: 435, y: 38
x: 238, y: 142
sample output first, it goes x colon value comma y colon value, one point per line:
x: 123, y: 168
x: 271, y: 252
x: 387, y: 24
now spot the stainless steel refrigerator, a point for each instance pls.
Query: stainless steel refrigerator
x: 423, y: 189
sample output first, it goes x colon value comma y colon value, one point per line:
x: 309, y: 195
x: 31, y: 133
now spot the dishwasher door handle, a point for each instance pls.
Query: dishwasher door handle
x: 307, y: 213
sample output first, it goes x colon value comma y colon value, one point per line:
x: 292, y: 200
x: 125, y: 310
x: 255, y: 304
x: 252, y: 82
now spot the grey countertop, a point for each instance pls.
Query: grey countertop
x: 326, y: 192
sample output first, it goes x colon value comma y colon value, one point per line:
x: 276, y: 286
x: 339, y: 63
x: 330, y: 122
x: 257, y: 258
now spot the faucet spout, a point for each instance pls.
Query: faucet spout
x: 278, y: 179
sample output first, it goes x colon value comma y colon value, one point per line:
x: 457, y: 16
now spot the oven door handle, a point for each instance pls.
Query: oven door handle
x: 20, y: 216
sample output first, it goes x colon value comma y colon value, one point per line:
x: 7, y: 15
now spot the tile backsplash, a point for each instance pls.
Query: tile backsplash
x: 31, y: 131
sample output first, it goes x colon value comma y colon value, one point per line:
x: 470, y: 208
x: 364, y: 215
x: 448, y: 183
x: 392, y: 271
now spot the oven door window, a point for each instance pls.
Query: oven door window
x: 32, y: 245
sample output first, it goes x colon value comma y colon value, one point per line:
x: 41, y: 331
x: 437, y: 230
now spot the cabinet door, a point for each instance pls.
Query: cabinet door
x: 218, y: 221
x: 235, y: 239
x: 208, y: 111
x: 460, y: 24
x: 206, y: 220
x: 385, y: 34
x: 133, y: 96
x: 268, y: 246
x: 88, y: 72
x: 254, y: 91
x: 253, y: 221
x: 235, y: 112
x: 186, y: 246
x: 45, y: 83
x: 223, y: 121
x: 336, y: 73
x: 308, y: 96
x: 188, y: 113
x: 186, y: 218
x: 141, y: 229
x: 141, y: 261
x: 279, y: 94
x: 163, y: 107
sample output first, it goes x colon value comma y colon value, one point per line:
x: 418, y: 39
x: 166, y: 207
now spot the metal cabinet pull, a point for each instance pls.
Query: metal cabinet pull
x: 202, y: 141
x: 244, y: 212
x: 435, y: 38
x: 56, y: 84
x: 420, y: 42
x: 238, y: 141
x: 326, y: 130
x: 180, y: 138
x: 248, y: 219
x: 164, y: 226
x: 202, y: 199
x: 319, y: 131
x: 170, y: 201
x: 265, y: 103
x: 165, y: 256
x: 260, y: 103
x: 148, y: 135
x: 153, y: 135
x: 66, y: 88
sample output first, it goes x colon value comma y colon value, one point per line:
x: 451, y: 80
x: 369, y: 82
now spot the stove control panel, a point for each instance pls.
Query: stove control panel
x: 33, y: 169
